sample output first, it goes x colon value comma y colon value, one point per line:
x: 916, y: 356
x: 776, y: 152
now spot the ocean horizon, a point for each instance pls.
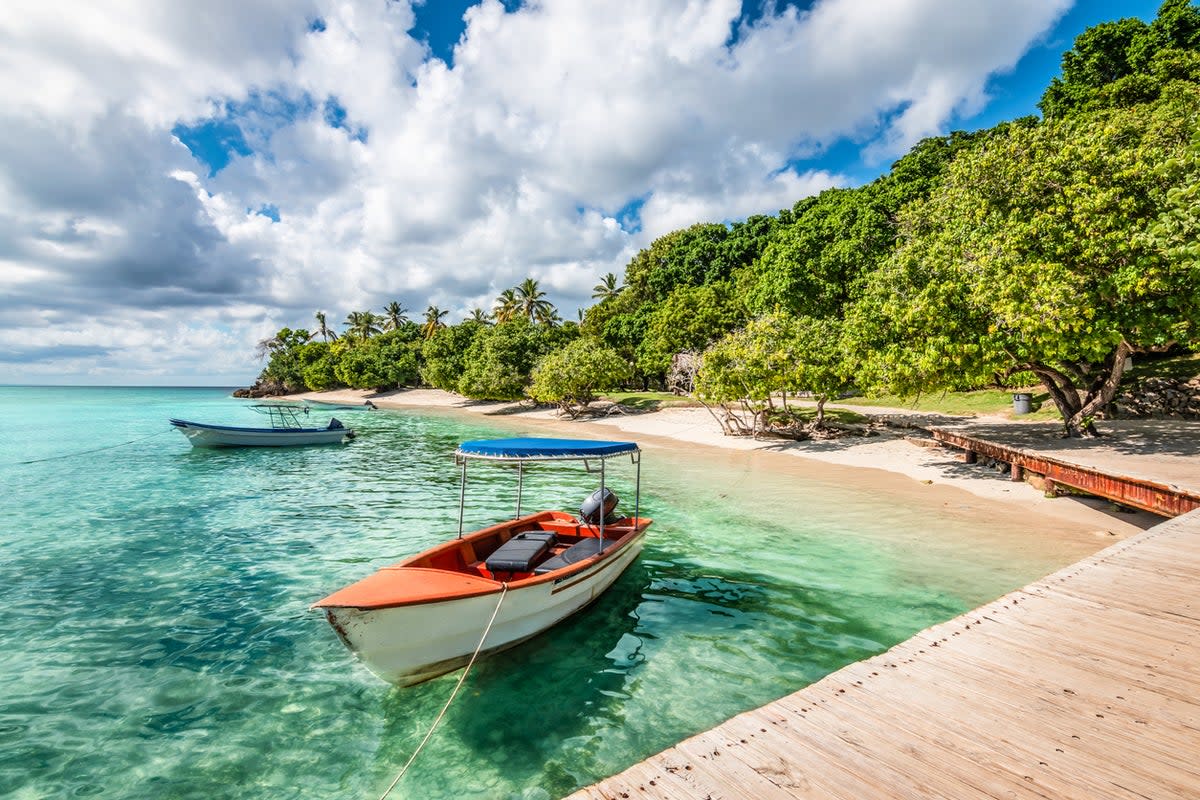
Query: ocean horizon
x: 160, y: 645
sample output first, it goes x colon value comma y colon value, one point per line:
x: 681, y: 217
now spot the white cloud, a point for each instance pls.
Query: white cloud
x: 445, y: 184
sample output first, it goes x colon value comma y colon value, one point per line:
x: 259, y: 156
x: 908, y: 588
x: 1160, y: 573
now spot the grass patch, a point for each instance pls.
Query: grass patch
x: 980, y: 401
x: 649, y: 401
x: 1179, y: 367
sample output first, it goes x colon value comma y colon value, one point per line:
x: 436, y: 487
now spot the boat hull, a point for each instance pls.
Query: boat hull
x: 201, y: 435
x: 412, y: 643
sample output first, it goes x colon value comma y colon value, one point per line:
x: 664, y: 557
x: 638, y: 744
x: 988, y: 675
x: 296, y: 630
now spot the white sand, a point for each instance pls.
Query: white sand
x: 888, y: 452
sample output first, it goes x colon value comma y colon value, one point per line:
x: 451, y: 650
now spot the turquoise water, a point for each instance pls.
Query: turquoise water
x: 157, y: 642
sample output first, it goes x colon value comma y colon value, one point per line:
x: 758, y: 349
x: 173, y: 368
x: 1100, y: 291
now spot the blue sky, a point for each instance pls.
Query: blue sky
x: 179, y: 181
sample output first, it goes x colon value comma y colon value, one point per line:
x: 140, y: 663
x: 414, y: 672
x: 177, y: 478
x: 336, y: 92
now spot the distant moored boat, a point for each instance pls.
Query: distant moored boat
x: 286, y: 430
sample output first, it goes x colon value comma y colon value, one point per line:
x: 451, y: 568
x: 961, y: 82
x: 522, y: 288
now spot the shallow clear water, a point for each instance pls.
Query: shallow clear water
x: 157, y: 642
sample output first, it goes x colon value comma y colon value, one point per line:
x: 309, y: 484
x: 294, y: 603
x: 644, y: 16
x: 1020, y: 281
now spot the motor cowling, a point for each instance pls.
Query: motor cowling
x: 590, y: 512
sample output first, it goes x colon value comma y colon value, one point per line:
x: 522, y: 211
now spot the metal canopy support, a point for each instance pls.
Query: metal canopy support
x: 636, y: 458
x: 602, y: 514
x: 520, y: 481
x: 462, y: 497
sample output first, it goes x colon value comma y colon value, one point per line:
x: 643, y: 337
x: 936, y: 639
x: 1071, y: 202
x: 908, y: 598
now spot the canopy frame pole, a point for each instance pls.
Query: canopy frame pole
x: 462, y: 497
x: 520, y: 481
x: 602, y: 514
x: 636, y: 458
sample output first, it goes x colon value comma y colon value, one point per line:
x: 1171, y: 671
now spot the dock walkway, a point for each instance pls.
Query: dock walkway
x: 1085, y: 684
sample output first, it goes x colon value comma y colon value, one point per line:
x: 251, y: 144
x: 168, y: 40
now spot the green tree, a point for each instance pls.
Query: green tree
x: 444, y: 354
x: 771, y: 356
x: 572, y: 376
x: 506, y: 306
x: 607, y: 288
x: 1127, y: 62
x: 1042, y: 252
x: 362, y: 325
x: 480, y: 316
x: 285, y: 365
x: 323, y: 330
x: 394, y: 316
x: 532, y: 303
x: 381, y: 363
x: 500, y: 359
x: 433, y: 321
x: 691, y: 257
x: 319, y: 371
x: 689, y: 319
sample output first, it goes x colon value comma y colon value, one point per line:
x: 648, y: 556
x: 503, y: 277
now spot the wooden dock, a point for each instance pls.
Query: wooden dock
x: 1083, y: 685
x: 1111, y: 483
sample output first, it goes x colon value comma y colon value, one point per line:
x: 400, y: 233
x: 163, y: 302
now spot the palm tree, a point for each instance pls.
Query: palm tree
x: 394, y: 315
x: 531, y: 303
x: 607, y: 288
x: 479, y: 315
x: 506, y: 306
x: 362, y: 324
x: 433, y: 321
x: 323, y: 330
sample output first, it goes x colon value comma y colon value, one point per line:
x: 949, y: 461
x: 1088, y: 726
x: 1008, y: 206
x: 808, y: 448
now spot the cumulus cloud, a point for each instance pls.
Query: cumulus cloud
x: 562, y: 138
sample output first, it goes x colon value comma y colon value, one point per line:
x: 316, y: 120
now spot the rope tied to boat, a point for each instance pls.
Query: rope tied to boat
x: 453, y: 694
x: 86, y: 452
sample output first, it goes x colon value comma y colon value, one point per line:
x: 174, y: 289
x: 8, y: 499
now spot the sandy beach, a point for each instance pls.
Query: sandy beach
x: 886, y: 460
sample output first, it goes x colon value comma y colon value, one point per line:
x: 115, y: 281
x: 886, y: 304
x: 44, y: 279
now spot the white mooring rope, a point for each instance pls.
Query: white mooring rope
x: 453, y: 694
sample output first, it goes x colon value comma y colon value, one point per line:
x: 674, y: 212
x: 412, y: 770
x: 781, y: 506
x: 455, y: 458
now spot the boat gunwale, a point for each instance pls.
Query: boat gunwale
x: 629, y: 534
x: 183, y: 423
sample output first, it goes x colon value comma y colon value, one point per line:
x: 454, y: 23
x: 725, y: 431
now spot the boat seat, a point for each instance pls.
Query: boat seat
x: 574, y: 554
x: 519, y: 552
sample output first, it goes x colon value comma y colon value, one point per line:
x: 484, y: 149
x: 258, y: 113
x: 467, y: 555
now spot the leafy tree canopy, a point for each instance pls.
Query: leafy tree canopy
x: 1127, y: 62
x: 689, y: 319
x: 1043, y: 250
x: 572, y: 376
x: 444, y: 354
x: 500, y: 359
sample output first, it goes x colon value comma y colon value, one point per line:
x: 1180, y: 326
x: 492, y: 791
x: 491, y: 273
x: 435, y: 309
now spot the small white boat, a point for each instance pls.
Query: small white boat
x: 286, y: 430
x: 427, y: 615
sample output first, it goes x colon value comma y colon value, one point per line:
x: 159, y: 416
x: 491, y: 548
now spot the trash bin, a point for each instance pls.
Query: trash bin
x: 1022, y: 402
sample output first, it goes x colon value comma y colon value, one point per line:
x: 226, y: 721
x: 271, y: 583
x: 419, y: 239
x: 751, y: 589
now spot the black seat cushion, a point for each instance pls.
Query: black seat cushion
x: 574, y: 554
x: 519, y: 552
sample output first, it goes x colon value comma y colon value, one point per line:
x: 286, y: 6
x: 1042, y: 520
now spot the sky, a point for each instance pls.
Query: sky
x: 180, y: 180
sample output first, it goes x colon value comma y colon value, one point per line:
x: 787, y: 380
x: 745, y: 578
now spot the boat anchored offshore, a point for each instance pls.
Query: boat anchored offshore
x: 286, y: 429
x: 423, y: 616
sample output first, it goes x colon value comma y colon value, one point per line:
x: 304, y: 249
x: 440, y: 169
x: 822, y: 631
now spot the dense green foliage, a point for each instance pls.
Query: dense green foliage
x: 572, y: 377
x: 1040, y: 249
x: 501, y: 358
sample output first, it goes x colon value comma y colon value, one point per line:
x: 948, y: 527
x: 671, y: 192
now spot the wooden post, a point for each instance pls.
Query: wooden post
x: 969, y: 457
x: 1018, y: 473
x: 1049, y: 490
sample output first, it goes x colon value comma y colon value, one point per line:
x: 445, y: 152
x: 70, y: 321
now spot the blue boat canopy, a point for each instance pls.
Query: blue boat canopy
x: 537, y: 449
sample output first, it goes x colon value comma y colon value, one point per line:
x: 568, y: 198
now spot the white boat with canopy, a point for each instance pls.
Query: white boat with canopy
x: 427, y: 615
x: 286, y: 429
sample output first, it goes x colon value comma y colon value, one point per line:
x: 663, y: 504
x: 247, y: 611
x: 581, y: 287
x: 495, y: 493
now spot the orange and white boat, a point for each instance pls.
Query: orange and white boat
x: 427, y: 615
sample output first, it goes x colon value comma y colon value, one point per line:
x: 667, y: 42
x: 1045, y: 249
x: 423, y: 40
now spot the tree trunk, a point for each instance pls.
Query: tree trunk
x: 819, y: 422
x: 1062, y: 392
x: 1077, y: 412
x: 1102, y: 390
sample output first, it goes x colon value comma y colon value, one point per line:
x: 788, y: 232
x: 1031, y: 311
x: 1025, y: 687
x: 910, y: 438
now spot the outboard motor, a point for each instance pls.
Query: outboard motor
x: 590, y: 511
